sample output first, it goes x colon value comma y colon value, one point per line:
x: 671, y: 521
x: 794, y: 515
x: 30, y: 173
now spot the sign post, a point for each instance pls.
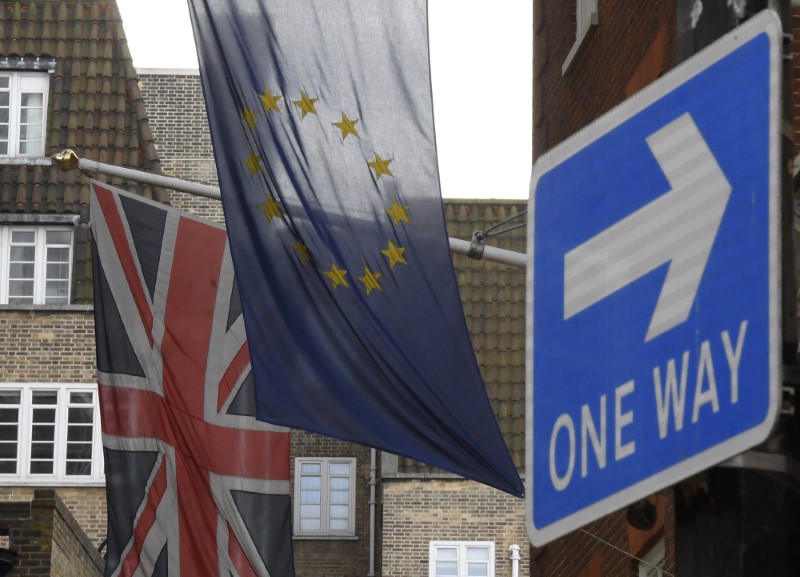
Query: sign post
x: 654, y: 286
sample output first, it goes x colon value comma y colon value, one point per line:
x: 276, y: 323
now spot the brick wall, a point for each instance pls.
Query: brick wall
x: 609, y: 547
x: 47, y: 539
x: 41, y: 346
x: 631, y: 47
x: 87, y: 505
x: 416, y: 512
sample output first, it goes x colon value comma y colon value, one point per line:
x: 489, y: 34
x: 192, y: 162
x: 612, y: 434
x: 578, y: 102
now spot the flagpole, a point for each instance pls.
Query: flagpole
x: 67, y: 160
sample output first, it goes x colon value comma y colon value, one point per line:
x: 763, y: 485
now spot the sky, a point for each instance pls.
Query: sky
x: 481, y: 70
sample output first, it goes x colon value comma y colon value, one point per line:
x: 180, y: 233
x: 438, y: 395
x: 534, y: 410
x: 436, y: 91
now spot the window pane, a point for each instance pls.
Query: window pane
x: 310, y: 524
x: 43, y: 432
x: 42, y: 450
x: 339, y: 512
x: 310, y: 511
x: 58, y: 289
x: 41, y: 467
x: 447, y: 553
x: 8, y: 432
x: 30, y: 133
x: 79, y: 451
x: 81, y: 415
x: 31, y: 116
x: 340, y: 497
x: 4, y: 116
x: 477, y: 569
x: 446, y: 569
x: 477, y: 554
x: 340, y: 469
x: 45, y: 397
x: 44, y: 415
x: 57, y: 271
x: 8, y: 467
x: 5, y: 82
x: 4, y: 132
x: 338, y: 525
x: 32, y: 99
x: 8, y: 415
x: 9, y: 397
x: 76, y: 433
x: 3, y: 144
x: 310, y: 497
x: 21, y: 270
x: 79, y: 468
x: 31, y: 147
x: 59, y: 237
x: 310, y: 469
x: 81, y: 398
x: 57, y: 254
x: 23, y: 236
x: 22, y: 289
x: 8, y: 451
x: 340, y: 484
x: 310, y: 483
x: 23, y: 253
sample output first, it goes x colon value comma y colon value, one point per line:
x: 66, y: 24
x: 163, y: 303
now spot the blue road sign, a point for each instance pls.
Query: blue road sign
x: 654, y: 287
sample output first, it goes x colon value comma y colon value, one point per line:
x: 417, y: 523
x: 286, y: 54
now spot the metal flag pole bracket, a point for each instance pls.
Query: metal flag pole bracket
x: 67, y: 160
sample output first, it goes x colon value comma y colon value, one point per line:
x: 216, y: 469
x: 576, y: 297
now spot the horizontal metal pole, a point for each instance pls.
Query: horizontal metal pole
x: 67, y: 160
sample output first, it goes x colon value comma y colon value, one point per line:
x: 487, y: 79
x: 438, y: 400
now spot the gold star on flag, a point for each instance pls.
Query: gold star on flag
x: 249, y: 117
x: 347, y: 126
x: 336, y: 275
x: 305, y: 104
x: 398, y: 213
x: 271, y: 208
x: 370, y: 280
x: 302, y: 252
x: 381, y: 166
x: 394, y: 254
x: 253, y: 162
x: 270, y: 101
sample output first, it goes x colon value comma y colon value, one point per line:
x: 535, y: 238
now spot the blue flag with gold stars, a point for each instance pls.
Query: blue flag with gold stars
x: 322, y: 126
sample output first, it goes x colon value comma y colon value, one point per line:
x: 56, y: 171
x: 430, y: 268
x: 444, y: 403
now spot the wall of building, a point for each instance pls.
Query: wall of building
x: 418, y: 511
x: 64, y: 337
x: 614, y: 65
x: 47, y: 538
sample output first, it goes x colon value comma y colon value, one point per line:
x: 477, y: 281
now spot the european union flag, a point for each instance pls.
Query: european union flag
x: 322, y: 126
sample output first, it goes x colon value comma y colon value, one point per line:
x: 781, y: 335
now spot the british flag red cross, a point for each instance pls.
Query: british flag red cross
x: 196, y: 486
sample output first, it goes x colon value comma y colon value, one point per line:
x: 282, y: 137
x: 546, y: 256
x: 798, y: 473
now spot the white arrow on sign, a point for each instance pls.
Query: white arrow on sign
x: 679, y: 226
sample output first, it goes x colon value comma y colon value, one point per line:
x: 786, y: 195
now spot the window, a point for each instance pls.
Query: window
x: 35, y: 264
x: 50, y: 433
x: 461, y: 559
x: 23, y: 107
x: 652, y: 563
x: 324, y: 491
x: 586, y: 20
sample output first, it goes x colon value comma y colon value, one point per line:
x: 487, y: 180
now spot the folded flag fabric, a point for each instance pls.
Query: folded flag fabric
x: 196, y: 485
x: 322, y: 126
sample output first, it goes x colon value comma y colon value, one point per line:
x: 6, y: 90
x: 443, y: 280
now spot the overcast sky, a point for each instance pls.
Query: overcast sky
x: 481, y: 66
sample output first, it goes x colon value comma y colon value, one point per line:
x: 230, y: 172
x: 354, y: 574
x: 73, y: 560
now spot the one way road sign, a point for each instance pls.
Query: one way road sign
x: 653, y: 287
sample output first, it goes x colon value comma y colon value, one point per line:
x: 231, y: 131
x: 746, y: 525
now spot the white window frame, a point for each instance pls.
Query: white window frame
x: 40, y: 262
x: 325, y: 490
x: 652, y: 563
x: 586, y: 21
x: 461, y: 559
x: 24, y: 456
x: 19, y: 83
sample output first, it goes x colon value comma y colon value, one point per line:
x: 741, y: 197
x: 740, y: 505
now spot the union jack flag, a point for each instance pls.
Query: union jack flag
x: 196, y: 486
